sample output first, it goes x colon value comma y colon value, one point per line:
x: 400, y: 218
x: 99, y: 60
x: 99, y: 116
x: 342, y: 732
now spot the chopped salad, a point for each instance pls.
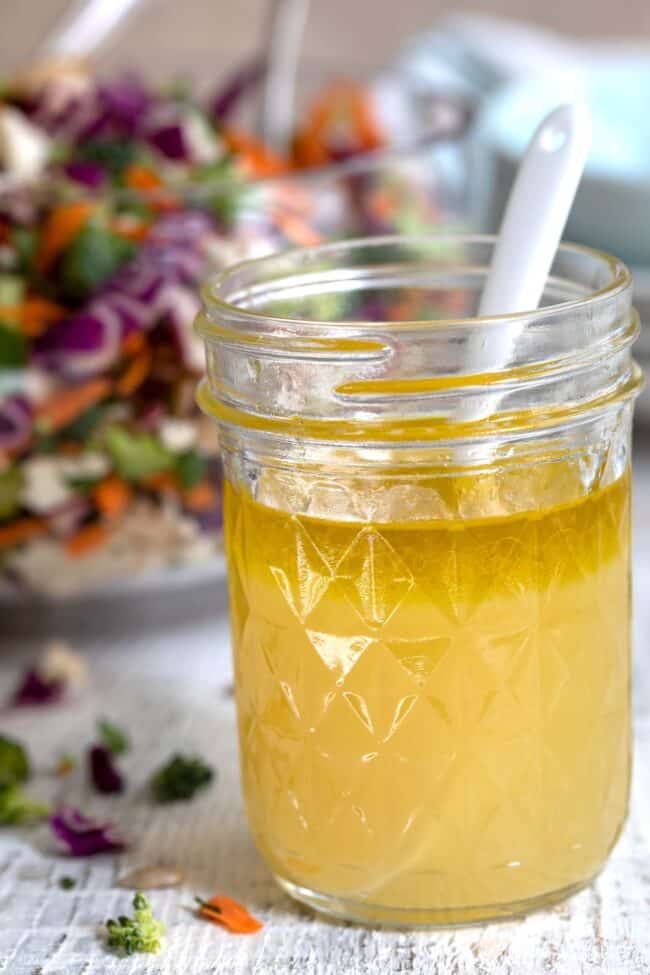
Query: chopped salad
x: 115, y: 201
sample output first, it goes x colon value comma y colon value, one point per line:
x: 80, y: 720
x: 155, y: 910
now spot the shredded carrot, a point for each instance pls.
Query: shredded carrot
x: 33, y: 316
x: 309, y: 150
x: 382, y: 205
x: 257, y: 158
x: 61, y: 227
x: 39, y: 314
x: 135, y: 373
x: 344, y: 102
x: 112, y: 496
x: 297, y: 230
x: 130, y: 229
x: 142, y: 179
x: 87, y: 540
x: 20, y: 531
x: 227, y: 912
x: 65, y: 765
x: 165, y: 482
x: 202, y: 497
x: 133, y: 343
x: 67, y: 404
x: 138, y: 177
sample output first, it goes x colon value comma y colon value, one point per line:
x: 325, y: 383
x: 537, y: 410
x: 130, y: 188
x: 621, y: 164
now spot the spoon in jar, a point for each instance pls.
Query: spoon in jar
x: 532, y: 226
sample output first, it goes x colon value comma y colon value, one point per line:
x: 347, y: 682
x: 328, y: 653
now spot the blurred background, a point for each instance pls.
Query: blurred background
x: 340, y: 35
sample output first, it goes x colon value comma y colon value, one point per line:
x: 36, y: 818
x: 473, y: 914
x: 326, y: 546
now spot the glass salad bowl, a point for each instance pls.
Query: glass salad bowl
x: 114, y: 204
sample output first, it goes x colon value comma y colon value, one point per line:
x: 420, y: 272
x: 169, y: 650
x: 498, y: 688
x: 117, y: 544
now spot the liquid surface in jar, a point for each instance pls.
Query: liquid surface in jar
x: 434, y: 716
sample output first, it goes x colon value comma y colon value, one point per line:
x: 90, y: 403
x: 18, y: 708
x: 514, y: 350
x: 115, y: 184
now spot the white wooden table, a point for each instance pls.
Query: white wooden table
x: 161, y: 668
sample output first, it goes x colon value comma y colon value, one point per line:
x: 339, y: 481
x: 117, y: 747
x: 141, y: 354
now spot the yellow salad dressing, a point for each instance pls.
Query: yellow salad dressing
x: 434, y: 715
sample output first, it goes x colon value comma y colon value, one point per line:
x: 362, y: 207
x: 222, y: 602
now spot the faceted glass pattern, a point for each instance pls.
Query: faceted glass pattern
x: 433, y: 715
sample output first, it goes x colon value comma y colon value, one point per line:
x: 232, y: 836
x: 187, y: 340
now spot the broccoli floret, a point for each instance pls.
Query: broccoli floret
x: 14, y: 762
x: 141, y: 933
x: 180, y: 778
x: 17, y: 808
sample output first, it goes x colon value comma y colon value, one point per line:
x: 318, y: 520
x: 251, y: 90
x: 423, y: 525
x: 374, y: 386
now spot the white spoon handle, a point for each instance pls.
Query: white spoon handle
x: 85, y: 25
x: 537, y: 212
x: 287, y: 21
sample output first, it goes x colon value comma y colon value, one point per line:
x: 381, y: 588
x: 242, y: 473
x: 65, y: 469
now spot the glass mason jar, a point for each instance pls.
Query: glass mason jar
x: 427, y: 520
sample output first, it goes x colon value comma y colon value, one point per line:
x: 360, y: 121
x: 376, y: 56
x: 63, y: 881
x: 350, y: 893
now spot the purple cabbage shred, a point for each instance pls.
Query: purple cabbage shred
x: 81, y: 836
x: 15, y: 422
x: 105, y: 776
x: 170, y: 140
x: 92, y: 175
x: 36, y: 690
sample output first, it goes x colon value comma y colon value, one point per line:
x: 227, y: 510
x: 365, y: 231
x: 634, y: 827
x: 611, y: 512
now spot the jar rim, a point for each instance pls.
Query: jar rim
x: 214, y: 286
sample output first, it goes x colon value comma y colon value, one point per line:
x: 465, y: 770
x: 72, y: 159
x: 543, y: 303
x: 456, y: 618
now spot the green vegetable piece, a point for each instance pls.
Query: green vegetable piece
x: 141, y: 933
x: 116, y: 740
x: 13, y: 347
x: 230, y: 190
x: 191, y: 468
x: 11, y: 482
x: 180, y: 778
x: 94, y: 256
x: 14, y: 762
x: 81, y: 428
x: 137, y: 455
x: 17, y: 808
x: 114, y: 154
x: 134, y: 208
x: 12, y: 289
x: 45, y: 444
x: 25, y: 242
x: 67, y: 883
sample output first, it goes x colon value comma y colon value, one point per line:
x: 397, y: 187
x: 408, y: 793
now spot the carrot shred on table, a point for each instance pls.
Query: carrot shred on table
x: 67, y: 404
x: 135, y: 373
x: 231, y: 915
x: 87, y: 539
x: 202, y: 497
x: 21, y: 531
x: 60, y: 228
x: 257, y: 158
x: 112, y: 496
